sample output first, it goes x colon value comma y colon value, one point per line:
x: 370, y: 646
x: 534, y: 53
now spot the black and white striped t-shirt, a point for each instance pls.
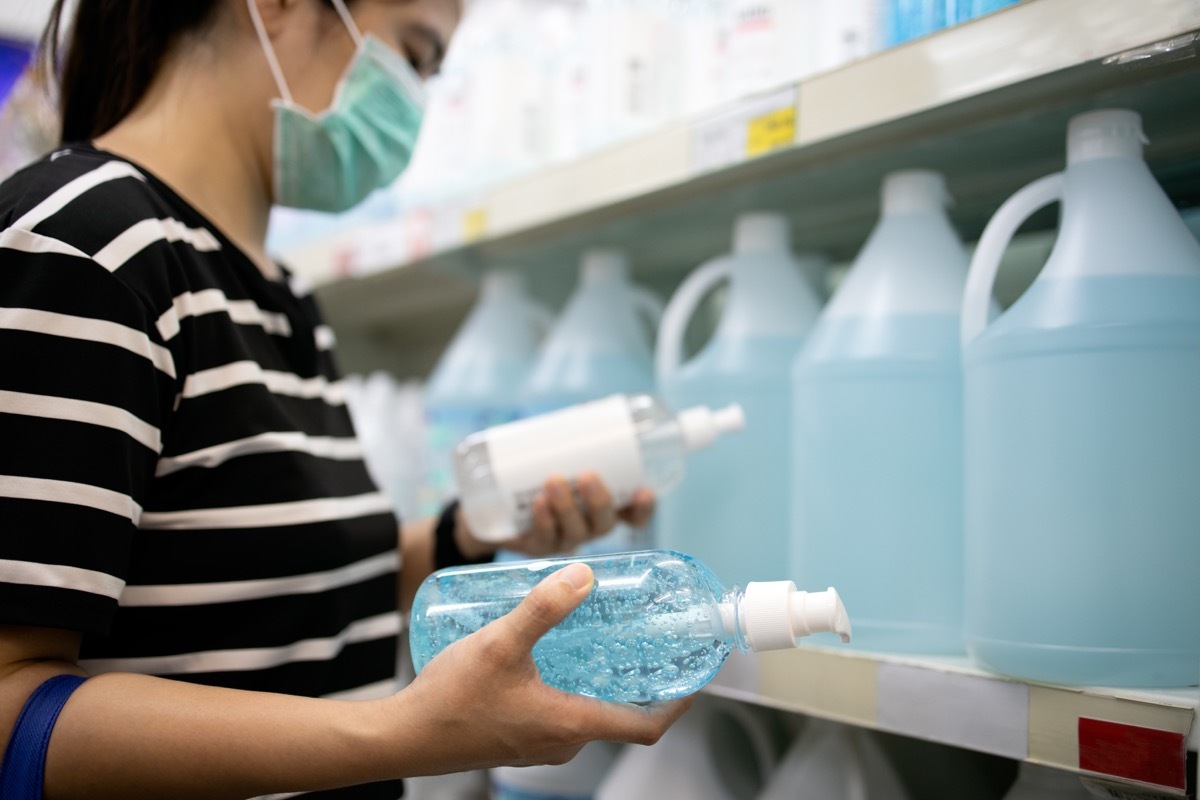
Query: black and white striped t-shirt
x: 179, y: 478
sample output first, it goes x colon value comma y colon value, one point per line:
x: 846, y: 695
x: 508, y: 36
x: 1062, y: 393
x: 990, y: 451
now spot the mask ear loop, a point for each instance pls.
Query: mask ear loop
x: 269, y: 51
x: 344, y: 13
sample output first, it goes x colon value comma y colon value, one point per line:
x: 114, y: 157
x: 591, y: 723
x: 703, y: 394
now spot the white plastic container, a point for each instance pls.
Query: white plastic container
x: 477, y: 381
x: 1082, y: 412
x: 769, y: 310
x: 832, y: 761
x: 575, y: 780
x: 629, y: 441
x: 719, y: 750
x: 877, y: 456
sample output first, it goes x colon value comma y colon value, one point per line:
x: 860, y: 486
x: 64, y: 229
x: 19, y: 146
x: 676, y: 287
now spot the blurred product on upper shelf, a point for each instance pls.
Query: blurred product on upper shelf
x: 1083, y: 430
x: 833, y: 761
x: 629, y: 441
x: 904, y: 20
x: 527, y: 84
x: 732, y: 509
x: 878, y: 429
x: 477, y: 381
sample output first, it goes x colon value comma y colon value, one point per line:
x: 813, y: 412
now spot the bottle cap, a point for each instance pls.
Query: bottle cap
x: 761, y: 231
x: 700, y: 426
x: 775, y: 615
x: 604, y: 264
x: 912, y: 191
x: 1112, y: 133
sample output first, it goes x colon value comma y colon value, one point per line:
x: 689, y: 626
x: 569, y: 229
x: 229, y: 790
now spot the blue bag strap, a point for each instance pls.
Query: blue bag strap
x: 24, y: 766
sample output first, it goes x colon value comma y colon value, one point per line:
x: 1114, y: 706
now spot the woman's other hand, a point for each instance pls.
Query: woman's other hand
x: 564, y: 519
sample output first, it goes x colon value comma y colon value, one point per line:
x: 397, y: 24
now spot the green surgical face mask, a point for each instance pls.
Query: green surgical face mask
x: 331, y: 161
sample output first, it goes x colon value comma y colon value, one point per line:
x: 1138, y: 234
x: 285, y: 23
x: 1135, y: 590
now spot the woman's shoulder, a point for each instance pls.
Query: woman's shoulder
x: 79, y: 197
x: 83, y: 204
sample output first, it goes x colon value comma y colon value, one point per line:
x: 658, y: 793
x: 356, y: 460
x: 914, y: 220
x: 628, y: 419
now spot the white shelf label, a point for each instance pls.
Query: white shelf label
x: 754, y: 128
x: 960, y: 709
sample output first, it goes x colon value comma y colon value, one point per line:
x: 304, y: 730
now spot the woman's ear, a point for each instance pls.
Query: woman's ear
x: 273, y: 13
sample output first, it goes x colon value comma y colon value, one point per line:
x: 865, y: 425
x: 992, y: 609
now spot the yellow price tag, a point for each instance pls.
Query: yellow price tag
x: 771, y: 132
x: 474, y: 224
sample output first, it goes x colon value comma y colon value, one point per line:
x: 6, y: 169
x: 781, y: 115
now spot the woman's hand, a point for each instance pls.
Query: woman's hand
x: 564, y: 519
x: 481, y: 702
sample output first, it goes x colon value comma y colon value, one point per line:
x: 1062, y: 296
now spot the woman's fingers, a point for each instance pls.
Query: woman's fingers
x: 640, y: 510
x: 546, y: 605
x: 572, y: 528
x: 602, y: 516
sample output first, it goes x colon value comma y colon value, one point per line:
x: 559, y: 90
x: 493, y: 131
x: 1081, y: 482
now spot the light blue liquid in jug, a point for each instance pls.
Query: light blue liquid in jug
x: 878, y: 443
x: 732, y: 510
x: 1079, y: 428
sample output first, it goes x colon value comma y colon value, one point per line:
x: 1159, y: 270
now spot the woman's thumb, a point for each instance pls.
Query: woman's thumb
x: 549, y: 603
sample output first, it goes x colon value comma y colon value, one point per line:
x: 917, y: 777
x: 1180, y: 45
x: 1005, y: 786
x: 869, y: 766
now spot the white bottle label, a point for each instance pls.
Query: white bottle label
x: 598, y: 437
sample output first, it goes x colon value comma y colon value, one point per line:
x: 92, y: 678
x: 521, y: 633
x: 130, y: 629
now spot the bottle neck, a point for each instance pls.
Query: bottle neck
x: 768, y: 297
x: 731, y: 616
x: 1116, y: 220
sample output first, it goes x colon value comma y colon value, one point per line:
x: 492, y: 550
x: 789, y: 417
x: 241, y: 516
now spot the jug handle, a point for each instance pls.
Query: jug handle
x: 687, y: 297
x: 542, y: 317
x: 996, y: 236
x: 650, y: 307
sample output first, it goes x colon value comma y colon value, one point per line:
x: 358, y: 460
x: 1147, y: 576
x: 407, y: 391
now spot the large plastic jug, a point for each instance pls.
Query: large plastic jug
x: 1083, y: 430
x: 600, y: 344
x: 478, y: 379
x: 832, y: 761
x: 878, y: 429
x: 732, y: 509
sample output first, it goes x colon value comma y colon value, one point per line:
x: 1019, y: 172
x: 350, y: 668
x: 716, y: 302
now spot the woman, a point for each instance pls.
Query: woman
x: 185, y: 513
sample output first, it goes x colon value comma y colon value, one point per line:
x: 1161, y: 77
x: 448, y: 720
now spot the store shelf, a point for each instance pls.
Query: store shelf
x: 1135, y: 740
x: 986, y: 102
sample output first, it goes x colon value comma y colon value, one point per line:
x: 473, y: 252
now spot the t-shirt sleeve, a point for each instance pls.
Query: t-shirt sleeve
x: 86, y: 388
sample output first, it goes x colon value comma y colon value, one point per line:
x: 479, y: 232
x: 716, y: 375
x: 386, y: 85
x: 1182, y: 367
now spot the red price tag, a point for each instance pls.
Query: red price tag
x: 1132, y: 752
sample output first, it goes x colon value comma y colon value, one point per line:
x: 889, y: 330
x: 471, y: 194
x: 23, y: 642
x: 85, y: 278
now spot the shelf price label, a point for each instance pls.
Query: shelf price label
x: 753, y: 128
x: 771, y: 131
x: 474, y: 225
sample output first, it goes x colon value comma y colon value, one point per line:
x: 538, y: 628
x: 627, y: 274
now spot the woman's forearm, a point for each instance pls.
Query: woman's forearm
x: 133, y: 736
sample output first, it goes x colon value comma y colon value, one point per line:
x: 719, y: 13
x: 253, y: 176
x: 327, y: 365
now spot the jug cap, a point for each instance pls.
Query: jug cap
x: 700, y: 426
x: 775, y: 615
x: 761, y: 231
x: 1110, y: 133
x: 911, y: 191
x: 604, y: 263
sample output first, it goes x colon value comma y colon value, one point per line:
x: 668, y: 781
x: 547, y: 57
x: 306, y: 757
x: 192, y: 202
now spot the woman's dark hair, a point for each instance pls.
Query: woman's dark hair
x: 115, y: 49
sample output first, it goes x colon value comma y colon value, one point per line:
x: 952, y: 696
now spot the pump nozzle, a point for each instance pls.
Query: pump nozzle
x: 700, y: 426
x: 775, y: 616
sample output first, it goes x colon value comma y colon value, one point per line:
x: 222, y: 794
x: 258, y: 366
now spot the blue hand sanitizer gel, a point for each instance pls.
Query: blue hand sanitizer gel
x: 657, y: 625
